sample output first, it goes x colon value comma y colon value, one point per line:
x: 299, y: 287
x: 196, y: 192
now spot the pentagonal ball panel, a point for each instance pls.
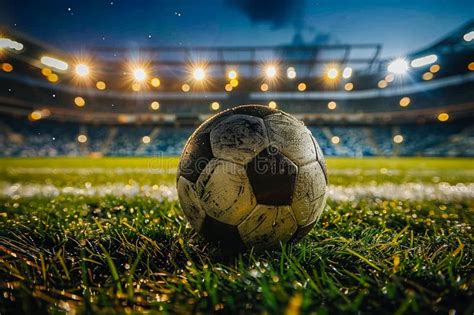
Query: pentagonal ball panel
x: 308, y: 198
x: 272, y: 177
x: 196, y: 154
x: 223, y: 234
x: 302, y: 231
x: 225, y: 192
x: 291, y: 137
x: 239, y: 138
x: 267, y: 226
x: 190, y: 203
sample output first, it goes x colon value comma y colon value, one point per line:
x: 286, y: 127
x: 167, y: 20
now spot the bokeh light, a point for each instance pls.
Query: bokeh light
x: 155, y: 105
x: 100, y: 85
x: 398, y: 139
x: 82, y: 138
x: 443, y: 117
x: 405, y: 101
x: 215, y: 105
x: 79, y: 101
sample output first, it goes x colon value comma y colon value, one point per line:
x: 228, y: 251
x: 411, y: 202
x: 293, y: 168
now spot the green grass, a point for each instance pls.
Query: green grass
x: 116, y: 254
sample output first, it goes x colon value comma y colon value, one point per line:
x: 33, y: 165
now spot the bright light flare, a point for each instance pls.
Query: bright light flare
x: 270, y: 72
x: 332, y: 73
x: 82, y: 70
x: 199, y: 74
x: 54, y: 63
x: 10, y: 44
x: 398, y: 66
x: 139, y: 74
x: 423, y: 61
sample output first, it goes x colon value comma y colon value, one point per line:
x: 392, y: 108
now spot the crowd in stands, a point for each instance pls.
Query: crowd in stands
x: 19, y: 137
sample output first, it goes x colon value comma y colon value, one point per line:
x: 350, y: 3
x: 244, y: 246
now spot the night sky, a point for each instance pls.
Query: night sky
x: 401, y: 26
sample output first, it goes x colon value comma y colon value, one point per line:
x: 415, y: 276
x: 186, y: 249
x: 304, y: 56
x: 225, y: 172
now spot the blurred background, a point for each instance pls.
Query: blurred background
x: 116, y: 78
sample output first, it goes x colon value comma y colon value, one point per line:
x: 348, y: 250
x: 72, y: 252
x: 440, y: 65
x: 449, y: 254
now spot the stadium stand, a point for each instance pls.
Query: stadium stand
x: 354, y: 105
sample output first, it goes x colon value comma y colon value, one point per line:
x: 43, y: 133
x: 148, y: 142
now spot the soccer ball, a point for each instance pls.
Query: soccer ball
x: 252, y: 176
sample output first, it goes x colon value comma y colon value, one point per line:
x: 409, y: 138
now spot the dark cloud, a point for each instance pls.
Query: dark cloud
x: 277, y: 13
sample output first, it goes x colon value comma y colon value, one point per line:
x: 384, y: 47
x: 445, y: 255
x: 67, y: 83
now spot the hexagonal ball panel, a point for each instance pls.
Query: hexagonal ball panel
x: 225, y: 192
x: 291, y: 137
x: 196, y: 154
x: 267, y: 226
x: 308, y: 198
x: 254, y: 110
x: 190, y: 203
x: 272, y: 177
x: 238, y: 138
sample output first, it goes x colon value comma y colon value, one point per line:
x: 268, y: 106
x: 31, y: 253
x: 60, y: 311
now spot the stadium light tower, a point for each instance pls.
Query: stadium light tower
x: 139, y: 74
x: 398, y: 66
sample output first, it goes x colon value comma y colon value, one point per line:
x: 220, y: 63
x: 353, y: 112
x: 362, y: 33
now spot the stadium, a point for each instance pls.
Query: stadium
x: 90, y: 141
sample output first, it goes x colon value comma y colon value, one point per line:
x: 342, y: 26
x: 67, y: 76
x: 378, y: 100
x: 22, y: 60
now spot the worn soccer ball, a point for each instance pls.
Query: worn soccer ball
x: 252, y: 176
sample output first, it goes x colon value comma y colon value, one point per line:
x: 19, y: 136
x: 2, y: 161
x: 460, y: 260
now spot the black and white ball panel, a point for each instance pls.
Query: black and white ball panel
x: 267, y: 226
x: 254, y: 110
x: 190, y: 203
x: 320, y: 158
x: 252, y: 176
x: 291, y: 137
x: 272, y: 176
x: 224, y: 191
x: 221, y: 233
x: 239, y: 138
x: 196, y: 154
x: 301, y: 232
x: 310, y: 190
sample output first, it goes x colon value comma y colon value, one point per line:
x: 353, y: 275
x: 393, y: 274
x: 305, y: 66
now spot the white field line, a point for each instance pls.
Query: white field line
x: 408, y: 191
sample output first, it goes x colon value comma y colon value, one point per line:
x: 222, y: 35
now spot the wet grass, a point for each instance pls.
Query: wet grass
x: 89, y: 254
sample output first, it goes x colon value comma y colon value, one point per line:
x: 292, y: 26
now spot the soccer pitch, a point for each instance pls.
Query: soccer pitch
x: 108, y: 235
